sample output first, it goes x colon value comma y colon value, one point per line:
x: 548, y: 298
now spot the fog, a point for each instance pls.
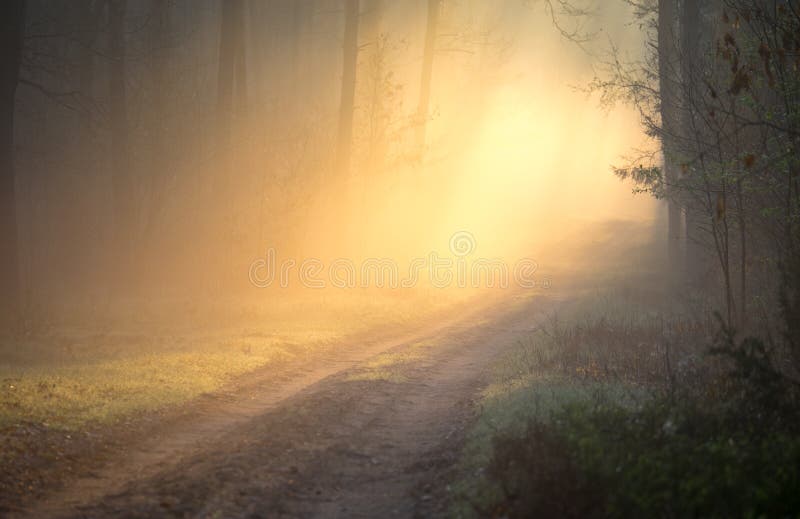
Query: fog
x: 407, y: 258
x: 515, y: 152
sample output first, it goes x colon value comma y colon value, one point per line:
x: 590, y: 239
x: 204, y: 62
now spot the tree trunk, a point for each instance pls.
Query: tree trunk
x: 690, y: 67
x: 371, y: 22
x: 301, y: 17
x: 231, y: 72
x: 374, y: 79
x: 90, y: 17
x: 347, y: 105
x: 159, y: 118
x: 427, y: 72
x: 667, y: 68
x: 231, y: 108
x: 240, y: 61
x: 12, y: 18
x: 122, y: 185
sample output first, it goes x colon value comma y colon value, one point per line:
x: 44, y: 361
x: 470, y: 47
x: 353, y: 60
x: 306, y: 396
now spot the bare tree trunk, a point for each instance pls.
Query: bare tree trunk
x: 231, y: 88
x: 427, y: 72
x: 301, y: 17
x: 374, y: 78
x: 694, y: 256
x: 371, y: 22
x: 12, y: 20
x: 691, y: 63
x: 122, y: 184
x: 240, y: 62
x: 231, y: 74
x: 231, y: 107
x: 667, y: 68
x: 726, y: 258
x: 159, y: 119
x: 90, y: 17
x: 347, y: 104
x: 742, y: 224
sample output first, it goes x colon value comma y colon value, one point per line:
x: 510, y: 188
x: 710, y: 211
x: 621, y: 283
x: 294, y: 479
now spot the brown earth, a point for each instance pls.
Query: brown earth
x: 371, y: 429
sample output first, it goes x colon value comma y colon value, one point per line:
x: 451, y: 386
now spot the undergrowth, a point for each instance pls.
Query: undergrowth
x: 638, y: 413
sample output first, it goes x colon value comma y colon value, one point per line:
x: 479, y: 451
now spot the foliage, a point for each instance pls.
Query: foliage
x: 717, y: 437
x: 663, y: 460
x: 711, y: 454
x: 718, y: 93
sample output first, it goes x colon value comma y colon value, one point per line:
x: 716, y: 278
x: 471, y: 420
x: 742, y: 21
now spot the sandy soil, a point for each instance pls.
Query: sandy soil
x: 371, y: 430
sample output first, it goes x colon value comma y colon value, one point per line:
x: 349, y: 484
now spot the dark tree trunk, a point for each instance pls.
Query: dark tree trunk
x: 427, y: 71
x: 668, y: 89
x: 231, y: 74
x: 159, y: 119
x: 225, y: 72
x: 90, y: 17
x: 347, y: 105
x: 12, y: 18
x: 122, y: 184
x: 690, y: 68
x: 301, y: 18
x: 231, y: 109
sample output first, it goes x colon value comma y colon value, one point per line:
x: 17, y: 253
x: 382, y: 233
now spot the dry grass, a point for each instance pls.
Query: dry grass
x: 388, y: 366
x: 76, y: 374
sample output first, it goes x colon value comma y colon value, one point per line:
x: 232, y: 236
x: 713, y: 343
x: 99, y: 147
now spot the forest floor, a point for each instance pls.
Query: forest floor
x: 369, y: 428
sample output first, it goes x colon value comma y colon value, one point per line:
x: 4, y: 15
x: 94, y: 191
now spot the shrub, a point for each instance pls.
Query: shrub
x: 680, y: 454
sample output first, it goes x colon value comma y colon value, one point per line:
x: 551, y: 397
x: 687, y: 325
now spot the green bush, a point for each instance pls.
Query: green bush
x: 654, y: 462
x: 733, y: 452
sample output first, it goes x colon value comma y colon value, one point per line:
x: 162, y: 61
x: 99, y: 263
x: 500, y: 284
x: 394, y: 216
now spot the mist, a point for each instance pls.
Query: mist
x: 418, y: 258
x: 514, y: 151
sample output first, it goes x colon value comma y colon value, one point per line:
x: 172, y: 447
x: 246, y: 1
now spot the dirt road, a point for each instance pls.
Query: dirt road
x: 368, y: 431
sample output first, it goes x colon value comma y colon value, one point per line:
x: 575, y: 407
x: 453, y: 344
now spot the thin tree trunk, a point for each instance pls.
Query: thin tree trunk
x: 122, y: 185
x: 667, y: 66
x: 226, y: 72
x: 301, y: 18
x: 240, y: 61
x: 12, y: 21
x: 743, y: 254
x: 231, y: 89
x: 742, y: 225
x: 726, y: 263
x: 691, y: 63
x: 347, y: 104
x: 160, y: 119
x: 694, y: 257
x: 90, y: 17
x: 374, y: 77
x: 427, y: 72
x: 231, y: 107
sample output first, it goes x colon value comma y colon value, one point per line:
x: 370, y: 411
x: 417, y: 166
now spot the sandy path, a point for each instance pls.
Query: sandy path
x: 365, y: 432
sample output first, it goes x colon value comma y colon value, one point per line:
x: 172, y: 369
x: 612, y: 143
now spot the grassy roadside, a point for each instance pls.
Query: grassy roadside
x: 615, y: 408
x: 102, y: 391
x: 506, y: 410
x: 80, y: 389
x: 72, y: 377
